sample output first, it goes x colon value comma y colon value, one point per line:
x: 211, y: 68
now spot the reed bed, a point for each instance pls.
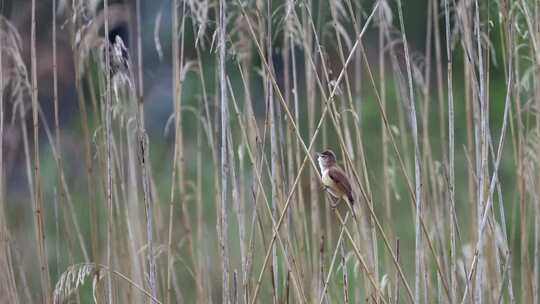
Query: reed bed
x: 440, y: 140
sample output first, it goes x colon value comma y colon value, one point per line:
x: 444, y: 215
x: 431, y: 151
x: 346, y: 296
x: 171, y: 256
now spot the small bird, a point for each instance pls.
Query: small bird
x: 333, y: 177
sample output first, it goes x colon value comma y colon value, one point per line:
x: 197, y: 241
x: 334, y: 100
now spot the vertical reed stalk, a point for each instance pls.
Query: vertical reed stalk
x: 108, y: 164
x: 223, y: 221
x: 39, y: 221
x: 417, y: 172
x: 175, y: 79
x: 451, y: 161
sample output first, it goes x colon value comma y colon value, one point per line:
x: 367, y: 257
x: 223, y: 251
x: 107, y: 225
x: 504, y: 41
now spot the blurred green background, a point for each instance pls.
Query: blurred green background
x: 158, y: 107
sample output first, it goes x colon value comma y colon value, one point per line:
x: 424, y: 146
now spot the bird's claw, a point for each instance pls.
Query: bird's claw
x: 334, y: 204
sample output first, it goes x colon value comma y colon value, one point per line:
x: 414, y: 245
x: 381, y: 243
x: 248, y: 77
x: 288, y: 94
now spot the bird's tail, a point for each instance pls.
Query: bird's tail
x: 350, y: 198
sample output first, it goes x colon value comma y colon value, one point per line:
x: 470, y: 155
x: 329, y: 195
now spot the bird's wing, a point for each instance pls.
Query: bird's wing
x: 340, y: 180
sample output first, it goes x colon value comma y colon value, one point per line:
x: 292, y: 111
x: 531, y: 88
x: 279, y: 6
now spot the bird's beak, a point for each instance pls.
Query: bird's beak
x: 317, y: 154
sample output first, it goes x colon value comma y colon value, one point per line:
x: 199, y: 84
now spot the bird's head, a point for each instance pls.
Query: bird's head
x: 326, y: 159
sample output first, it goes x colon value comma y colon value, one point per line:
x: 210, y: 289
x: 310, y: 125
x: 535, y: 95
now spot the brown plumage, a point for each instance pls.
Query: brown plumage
x: 334, y: 178
x: 341, y: 182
